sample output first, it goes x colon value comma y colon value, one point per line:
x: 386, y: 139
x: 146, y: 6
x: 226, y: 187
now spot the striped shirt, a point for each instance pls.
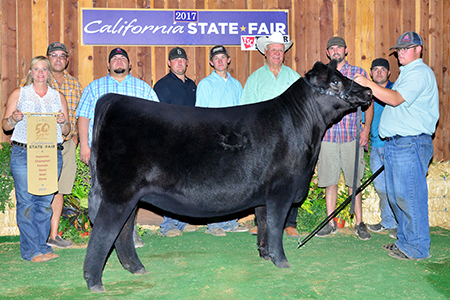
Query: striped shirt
x: 345, y: 130
x: 130, y: 86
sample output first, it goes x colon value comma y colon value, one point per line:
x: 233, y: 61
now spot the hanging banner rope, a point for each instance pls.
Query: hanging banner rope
x: 42, y: 159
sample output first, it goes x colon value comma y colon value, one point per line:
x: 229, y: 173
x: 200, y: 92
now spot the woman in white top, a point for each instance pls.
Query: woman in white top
x: 33, y: 212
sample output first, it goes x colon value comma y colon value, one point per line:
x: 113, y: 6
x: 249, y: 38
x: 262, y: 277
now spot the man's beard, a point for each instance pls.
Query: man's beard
x: 338, y: 59
x: 119, y: 71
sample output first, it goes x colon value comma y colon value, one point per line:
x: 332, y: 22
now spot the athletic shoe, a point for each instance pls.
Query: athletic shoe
x: 172, y: 233
x: 361, y: 232
x: 393, y: 234
x: 239, y: 228
x: 216, y: 232
x: 395, y: 252
x: 190, y: 228
x: 376, y: 227
x: 59, y: 242
x: 254, y: 230
x: 327, y: 230
x: 389, y: 247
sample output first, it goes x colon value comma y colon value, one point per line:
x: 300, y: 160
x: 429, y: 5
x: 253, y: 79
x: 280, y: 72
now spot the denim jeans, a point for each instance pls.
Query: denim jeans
x: 226, y: 225
x: 406, y: 167
x: 33, y: 212
x: 169, y: 224
x: 387, y: 215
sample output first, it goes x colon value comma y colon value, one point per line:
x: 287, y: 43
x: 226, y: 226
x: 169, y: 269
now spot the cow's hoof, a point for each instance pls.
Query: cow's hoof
x: 142, y: 271
x: 97, y: 289
x: 263, y: 253
x: 266, y: 257
x: 282, y: 264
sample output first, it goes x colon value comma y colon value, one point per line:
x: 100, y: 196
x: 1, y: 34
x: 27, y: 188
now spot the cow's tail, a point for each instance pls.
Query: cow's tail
x: 101, y: 110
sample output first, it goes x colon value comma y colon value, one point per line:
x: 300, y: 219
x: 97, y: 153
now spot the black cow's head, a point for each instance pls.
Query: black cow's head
x: 326, y: 80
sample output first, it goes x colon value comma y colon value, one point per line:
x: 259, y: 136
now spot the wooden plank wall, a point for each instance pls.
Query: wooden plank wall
x: 369, y: 27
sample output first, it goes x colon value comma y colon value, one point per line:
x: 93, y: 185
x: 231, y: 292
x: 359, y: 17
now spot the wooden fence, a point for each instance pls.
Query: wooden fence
x: 370, y: 28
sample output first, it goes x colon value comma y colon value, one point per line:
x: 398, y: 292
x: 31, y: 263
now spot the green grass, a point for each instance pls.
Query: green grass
x: 201, y: 266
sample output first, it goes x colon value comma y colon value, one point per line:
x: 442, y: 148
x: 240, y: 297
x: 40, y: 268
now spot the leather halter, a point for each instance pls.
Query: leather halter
x: 343, y: 95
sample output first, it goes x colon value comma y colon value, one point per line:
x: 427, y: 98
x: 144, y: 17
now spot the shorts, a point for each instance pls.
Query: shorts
x: 69, y: 168
x: 333, y: 158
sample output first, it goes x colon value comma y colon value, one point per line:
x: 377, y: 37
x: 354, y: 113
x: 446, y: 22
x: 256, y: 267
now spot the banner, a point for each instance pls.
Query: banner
x: 153, y: 27
x: 42, y: 155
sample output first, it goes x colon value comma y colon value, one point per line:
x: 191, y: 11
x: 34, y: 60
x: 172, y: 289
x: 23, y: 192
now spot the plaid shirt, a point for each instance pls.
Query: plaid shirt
x: 130, y: 86
x: 72, y: 90
x: 345, y: 130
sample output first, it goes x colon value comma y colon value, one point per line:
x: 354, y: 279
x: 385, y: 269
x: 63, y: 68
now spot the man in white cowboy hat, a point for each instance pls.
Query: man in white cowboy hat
x: 274, y: 77
x: 266, y: 83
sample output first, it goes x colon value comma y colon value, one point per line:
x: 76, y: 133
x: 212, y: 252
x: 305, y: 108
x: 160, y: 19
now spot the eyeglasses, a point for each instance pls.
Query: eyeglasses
x: 60, y: 56
x: 401, y: 50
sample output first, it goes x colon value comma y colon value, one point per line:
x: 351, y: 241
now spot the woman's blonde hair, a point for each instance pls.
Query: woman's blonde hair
x: 34, y: 61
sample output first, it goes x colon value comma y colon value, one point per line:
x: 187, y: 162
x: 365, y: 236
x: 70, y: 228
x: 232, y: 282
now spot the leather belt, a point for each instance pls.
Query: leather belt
x: 22, y: 145
x: 391, y: 138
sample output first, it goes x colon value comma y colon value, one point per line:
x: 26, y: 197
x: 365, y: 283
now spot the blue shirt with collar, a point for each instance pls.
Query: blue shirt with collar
x: 420, y: 111
x: 216, y: 91
x: 130, y: 86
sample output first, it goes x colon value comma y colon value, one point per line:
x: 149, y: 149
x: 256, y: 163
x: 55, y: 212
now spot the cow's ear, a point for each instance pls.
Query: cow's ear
x: 332, y: 64
x: 318, y: 64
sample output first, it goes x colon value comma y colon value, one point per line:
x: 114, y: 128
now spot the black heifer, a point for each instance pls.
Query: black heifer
x: 202, y: 162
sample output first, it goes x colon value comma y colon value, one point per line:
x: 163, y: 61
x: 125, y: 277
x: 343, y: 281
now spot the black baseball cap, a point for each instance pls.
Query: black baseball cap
x: 55, y: 47
x: 219, y: 49
x: 118, y: 51
x: 380, y: 62
x: 177, y: 52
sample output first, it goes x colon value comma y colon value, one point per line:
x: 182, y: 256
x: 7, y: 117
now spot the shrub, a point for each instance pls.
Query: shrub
x: 7, y: 181
x: 74, y: 224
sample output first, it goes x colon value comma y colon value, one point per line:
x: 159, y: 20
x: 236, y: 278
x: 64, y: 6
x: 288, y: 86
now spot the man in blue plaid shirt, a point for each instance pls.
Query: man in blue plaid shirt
x: 119, y: 81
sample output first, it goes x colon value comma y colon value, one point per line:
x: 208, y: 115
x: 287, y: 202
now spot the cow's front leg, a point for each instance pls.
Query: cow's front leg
x: 276, y: 216
x: 108, y: 224
x: 263, y: 246
x: 125, y: 248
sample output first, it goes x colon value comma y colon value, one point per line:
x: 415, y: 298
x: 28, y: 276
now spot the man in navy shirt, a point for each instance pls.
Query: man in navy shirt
x: 176, y: 88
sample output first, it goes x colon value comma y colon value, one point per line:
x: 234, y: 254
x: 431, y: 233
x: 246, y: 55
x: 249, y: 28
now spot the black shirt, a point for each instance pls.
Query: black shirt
x: 171, y: 89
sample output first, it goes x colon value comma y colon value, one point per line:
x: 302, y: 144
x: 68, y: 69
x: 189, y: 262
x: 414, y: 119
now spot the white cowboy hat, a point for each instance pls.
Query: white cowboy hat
x: 275, y: 38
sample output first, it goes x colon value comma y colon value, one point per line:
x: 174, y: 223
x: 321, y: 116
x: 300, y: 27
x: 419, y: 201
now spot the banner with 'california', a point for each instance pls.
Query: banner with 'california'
x: 42, y: 154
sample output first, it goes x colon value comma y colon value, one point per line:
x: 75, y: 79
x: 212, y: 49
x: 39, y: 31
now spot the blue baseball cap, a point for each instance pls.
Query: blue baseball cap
x: 407, y: 39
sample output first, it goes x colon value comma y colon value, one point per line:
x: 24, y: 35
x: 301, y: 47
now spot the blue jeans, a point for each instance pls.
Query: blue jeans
x: 226, y: 225
x: 377, y: 161
x: 169, y: 224
x: 33, y: 212
x: 406, y: 167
